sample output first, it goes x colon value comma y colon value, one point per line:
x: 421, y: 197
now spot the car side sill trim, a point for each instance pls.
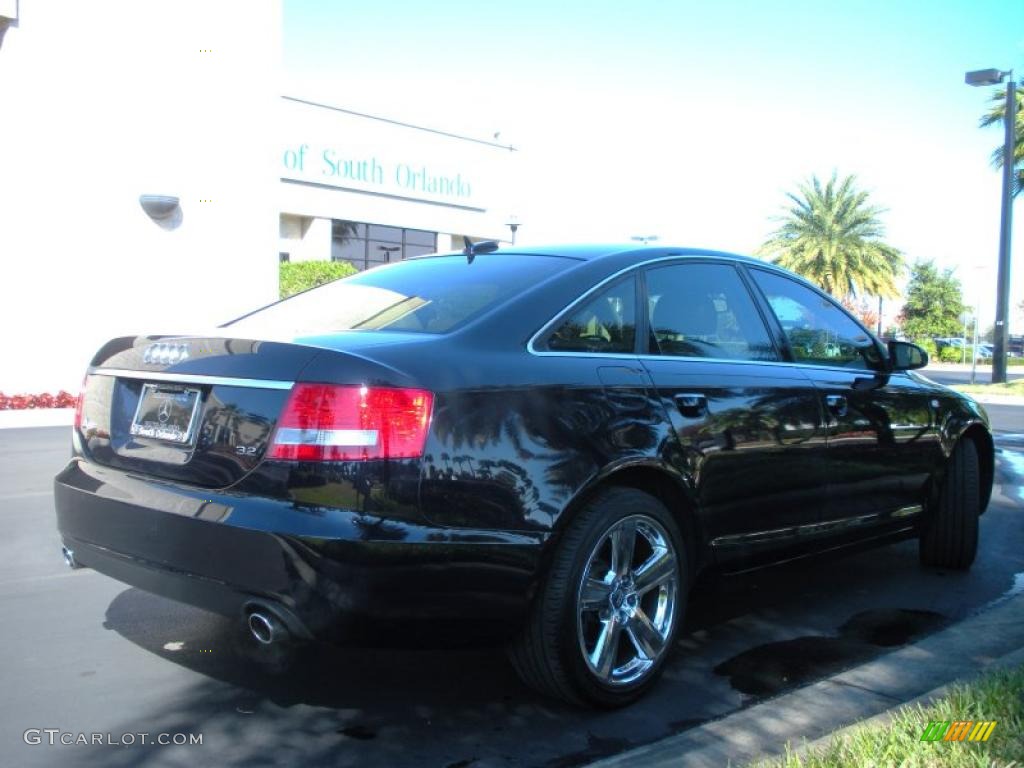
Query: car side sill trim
x: 813, y: 529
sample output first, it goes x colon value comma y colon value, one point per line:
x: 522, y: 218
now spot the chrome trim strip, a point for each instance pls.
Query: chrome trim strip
x: 912, y: 509
x: 347, y: 438
x: 794, y: 531
x: 719, y: 360
x: 813, y: 529
x: 191, y: 378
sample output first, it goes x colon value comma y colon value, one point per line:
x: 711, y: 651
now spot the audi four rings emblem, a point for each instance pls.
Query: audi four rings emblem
x: 165, y: 354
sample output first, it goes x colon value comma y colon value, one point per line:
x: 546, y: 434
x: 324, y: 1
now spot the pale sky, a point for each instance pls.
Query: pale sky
x: 690, y: 120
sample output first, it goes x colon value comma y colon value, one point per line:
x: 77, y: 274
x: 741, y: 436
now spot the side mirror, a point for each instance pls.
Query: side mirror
x: 904, y: 356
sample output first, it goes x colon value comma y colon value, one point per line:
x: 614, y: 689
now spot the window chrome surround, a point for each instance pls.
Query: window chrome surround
x: 191, y: 378
x: 594, y: 289
x: 676, y: 257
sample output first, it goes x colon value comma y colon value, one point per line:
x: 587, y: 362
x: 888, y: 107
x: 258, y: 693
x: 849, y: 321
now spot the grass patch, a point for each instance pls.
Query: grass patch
x: 997, y: 695
x: 1009, y: 388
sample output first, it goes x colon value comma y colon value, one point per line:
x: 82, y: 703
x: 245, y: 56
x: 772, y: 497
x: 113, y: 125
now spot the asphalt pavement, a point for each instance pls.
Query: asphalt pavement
x: 85, y: 654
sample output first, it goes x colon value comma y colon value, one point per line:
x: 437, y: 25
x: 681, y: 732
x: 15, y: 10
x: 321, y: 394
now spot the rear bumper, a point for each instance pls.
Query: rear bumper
x: 321, y: 568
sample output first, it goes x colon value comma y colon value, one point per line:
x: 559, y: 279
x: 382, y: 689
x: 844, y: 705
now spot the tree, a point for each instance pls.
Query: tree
x: 343, y: 231
x: 832, y: 236
x: 864, y: 310
x: 995, y: 116
x: 934, y: 303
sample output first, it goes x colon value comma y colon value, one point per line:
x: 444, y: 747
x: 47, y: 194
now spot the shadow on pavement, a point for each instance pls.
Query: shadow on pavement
x: 381, y: 705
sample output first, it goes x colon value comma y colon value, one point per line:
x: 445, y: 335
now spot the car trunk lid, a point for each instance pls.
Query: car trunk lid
x: 200, y: 410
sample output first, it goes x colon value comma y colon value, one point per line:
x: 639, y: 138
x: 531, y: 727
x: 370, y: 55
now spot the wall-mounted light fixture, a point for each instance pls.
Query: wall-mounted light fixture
x: 164, y: 210
x: 8, y: 17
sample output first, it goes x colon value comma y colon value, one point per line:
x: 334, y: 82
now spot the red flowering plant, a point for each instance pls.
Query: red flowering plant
x: 22, y: 402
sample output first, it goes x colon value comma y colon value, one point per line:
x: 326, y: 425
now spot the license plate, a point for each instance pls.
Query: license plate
x: 166, y: 413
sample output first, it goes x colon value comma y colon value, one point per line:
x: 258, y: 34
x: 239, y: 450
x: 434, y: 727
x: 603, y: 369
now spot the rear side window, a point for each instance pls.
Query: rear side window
x: 605, y: 323
x: 704, y: 310
x: 431, y: 295
x: 818, y: 331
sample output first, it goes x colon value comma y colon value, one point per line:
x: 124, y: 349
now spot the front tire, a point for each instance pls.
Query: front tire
x: 606, y: 620
x: 950, y: 537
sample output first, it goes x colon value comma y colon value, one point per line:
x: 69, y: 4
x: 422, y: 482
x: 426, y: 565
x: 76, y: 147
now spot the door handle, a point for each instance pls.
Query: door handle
x: 692, y: 405
x: 837, y: 404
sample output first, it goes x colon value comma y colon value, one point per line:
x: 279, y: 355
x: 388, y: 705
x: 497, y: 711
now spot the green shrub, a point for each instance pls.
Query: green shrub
x: 928, y: 345
x: 299, y: 276
x: 951, y: 355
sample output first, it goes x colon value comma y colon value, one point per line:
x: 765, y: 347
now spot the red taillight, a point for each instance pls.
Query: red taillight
x: 80, y: 402
x: 325, y: 422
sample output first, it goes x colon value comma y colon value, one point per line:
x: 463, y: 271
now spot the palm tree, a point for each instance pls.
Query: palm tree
x: 994, y: 116
x: 832, y: 236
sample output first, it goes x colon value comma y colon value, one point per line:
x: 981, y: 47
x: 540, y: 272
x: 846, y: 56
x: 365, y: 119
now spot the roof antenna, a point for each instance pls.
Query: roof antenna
x: 471, y: 249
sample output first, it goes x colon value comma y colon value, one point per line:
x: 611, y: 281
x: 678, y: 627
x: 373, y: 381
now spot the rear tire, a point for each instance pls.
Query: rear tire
x: 950, y: 537
x: 606, y: 620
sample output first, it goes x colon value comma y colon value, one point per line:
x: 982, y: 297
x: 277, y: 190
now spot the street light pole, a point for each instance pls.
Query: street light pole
x: 513, y: 224
x: 1001, y: 335
x: 1002, y: 331
x: 965, y: 317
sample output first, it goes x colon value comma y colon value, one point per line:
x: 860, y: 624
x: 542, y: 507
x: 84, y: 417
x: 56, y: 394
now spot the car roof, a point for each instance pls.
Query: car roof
x: 595, y: 252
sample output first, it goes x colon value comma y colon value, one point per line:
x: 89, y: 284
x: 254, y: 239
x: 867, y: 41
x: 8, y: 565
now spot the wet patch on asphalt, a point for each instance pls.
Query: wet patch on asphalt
x: 775, y: 667
x: 1016, y: 588
x: 597, y: 747
x: 678, y: 726
x: 358, y: 732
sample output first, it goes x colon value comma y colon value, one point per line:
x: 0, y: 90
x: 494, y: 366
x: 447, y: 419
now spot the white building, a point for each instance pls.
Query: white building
x: 368, y: 190
x: 153, y: 176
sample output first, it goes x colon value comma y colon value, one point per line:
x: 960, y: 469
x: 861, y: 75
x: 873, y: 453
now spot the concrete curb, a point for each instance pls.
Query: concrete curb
x: 816, y: 711
x: 37, y: 417
x: 1013, y: 659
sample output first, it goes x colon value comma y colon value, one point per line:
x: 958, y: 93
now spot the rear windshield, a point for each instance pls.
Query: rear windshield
x: 428, y: 295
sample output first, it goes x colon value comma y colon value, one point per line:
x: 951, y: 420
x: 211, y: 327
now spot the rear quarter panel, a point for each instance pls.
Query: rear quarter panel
x: 513, y: 455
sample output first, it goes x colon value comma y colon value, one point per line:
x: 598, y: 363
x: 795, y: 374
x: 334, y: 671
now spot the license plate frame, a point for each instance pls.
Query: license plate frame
x: 167, y: 413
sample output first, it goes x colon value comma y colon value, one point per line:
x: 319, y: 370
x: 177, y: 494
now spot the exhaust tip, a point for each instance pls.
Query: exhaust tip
x: 266, y: 628
x: 69, y: 558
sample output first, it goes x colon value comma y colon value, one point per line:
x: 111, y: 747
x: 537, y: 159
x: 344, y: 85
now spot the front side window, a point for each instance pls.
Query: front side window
x: 818, y: 331
x: 605, y: 323
x: 704, y: 310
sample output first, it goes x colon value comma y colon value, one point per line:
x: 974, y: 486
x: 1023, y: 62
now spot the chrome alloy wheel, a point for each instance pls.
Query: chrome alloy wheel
x: 626, y: 600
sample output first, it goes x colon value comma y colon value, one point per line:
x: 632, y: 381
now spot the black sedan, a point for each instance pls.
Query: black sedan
x: 549, y: 442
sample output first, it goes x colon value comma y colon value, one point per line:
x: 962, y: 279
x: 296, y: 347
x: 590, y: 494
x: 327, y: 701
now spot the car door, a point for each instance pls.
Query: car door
x: 748, y: 426
x: 883, y: 441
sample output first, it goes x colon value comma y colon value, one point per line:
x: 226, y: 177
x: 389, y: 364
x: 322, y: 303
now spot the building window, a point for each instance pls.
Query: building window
x: 368, y: 245
x: 282, y: 258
